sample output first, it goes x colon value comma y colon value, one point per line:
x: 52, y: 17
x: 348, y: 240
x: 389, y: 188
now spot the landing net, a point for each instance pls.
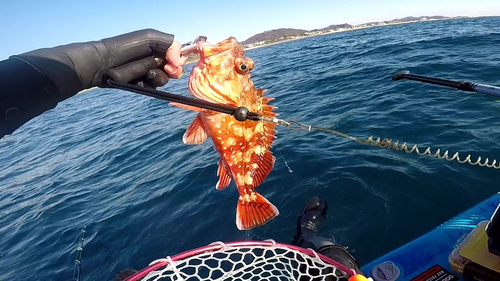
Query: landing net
x: 248, y: 260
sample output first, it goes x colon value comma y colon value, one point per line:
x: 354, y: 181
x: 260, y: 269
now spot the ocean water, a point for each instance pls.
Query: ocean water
x: 114, y: 161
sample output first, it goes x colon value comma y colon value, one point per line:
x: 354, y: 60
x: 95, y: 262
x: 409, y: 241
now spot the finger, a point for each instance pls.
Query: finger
x: 132, y: 70
x: 174, y: 72
x: 171, y: 68
x: 138, y: 44
x: 156, y: 78
x: 174, y: 55
x: 183, y: 60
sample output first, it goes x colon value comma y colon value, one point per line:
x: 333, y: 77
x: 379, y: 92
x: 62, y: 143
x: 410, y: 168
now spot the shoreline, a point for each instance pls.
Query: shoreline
x: 309, y: 36
x: 346, y: 30
x: 338, y: 31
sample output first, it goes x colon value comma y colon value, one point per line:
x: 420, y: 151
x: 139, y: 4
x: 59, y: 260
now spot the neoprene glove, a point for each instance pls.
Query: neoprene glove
x: 128, y: 58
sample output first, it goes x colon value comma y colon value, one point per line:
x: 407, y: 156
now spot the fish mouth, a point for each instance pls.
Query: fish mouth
x: 207, y: 50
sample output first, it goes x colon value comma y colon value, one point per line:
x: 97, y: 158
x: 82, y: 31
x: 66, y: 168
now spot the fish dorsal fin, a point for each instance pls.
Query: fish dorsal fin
x: 265, y: 165
x: 261, y: 154
x: 195, y: 133
x: 224, y: 178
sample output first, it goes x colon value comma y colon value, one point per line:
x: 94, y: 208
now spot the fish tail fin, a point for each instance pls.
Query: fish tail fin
x: 254, y: 210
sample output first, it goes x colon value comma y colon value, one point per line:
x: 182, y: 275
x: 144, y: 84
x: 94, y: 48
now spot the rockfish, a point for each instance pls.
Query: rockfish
x: 222, y: 76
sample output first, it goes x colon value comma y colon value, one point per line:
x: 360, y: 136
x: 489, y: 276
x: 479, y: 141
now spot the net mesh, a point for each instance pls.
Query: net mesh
x: 246, y: 262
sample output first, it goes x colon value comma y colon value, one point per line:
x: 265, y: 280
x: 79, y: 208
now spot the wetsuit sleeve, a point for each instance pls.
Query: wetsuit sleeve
x: 34, y: 82
x: 25, y: 92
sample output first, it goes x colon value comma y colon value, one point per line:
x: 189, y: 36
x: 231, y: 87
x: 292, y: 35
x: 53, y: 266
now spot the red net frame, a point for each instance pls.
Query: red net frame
x: 218, y: 247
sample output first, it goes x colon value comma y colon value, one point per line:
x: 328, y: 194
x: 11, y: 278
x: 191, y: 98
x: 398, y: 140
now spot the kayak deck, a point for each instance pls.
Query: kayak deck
x: 426, y: 258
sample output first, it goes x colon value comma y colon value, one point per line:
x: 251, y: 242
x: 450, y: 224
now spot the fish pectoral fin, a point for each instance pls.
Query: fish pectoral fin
x: 254, y: 211
x: 224, y: 178
x: 195, y: 133
x: 188, y: 107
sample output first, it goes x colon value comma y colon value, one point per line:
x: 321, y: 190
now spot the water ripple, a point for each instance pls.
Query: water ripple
x: 115, y: 162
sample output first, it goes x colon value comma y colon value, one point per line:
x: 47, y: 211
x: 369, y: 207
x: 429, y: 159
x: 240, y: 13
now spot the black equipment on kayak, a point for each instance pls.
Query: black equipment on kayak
x: 460, y: 85
x: 493, y: 232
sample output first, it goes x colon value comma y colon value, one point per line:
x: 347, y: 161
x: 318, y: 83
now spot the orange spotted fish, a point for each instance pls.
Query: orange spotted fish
x: 222, y: 76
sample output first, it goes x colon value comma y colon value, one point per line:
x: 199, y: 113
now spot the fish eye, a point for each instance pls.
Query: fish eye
x: 242, y: 68
x: 243, y: 65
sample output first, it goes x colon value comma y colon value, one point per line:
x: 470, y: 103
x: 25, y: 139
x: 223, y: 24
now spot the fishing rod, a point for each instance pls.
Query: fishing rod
x: 240, y: 113
x: 459, y: 85
x: 243, y: 114
x: 77, y: 272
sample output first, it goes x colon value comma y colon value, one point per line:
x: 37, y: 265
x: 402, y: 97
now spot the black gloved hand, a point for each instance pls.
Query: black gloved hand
x: 137, y: 57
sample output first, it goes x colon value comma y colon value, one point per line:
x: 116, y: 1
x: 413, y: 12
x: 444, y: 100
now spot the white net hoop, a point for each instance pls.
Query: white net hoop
x: 247, y: 260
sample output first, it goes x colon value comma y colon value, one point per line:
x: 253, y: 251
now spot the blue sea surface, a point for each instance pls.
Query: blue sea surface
x: 114, y: 161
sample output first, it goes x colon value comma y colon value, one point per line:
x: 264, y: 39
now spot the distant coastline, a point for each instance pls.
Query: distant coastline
x: 250, y: 44
x: 358, y: 27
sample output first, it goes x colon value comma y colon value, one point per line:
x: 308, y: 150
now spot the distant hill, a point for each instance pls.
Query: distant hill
x: 275, y: 34
x: 282, y: 34
x: 334, y: 27
x: 407, y: 19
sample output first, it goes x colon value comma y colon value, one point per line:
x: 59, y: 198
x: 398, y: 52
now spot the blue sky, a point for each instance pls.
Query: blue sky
x: 26, y: 25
